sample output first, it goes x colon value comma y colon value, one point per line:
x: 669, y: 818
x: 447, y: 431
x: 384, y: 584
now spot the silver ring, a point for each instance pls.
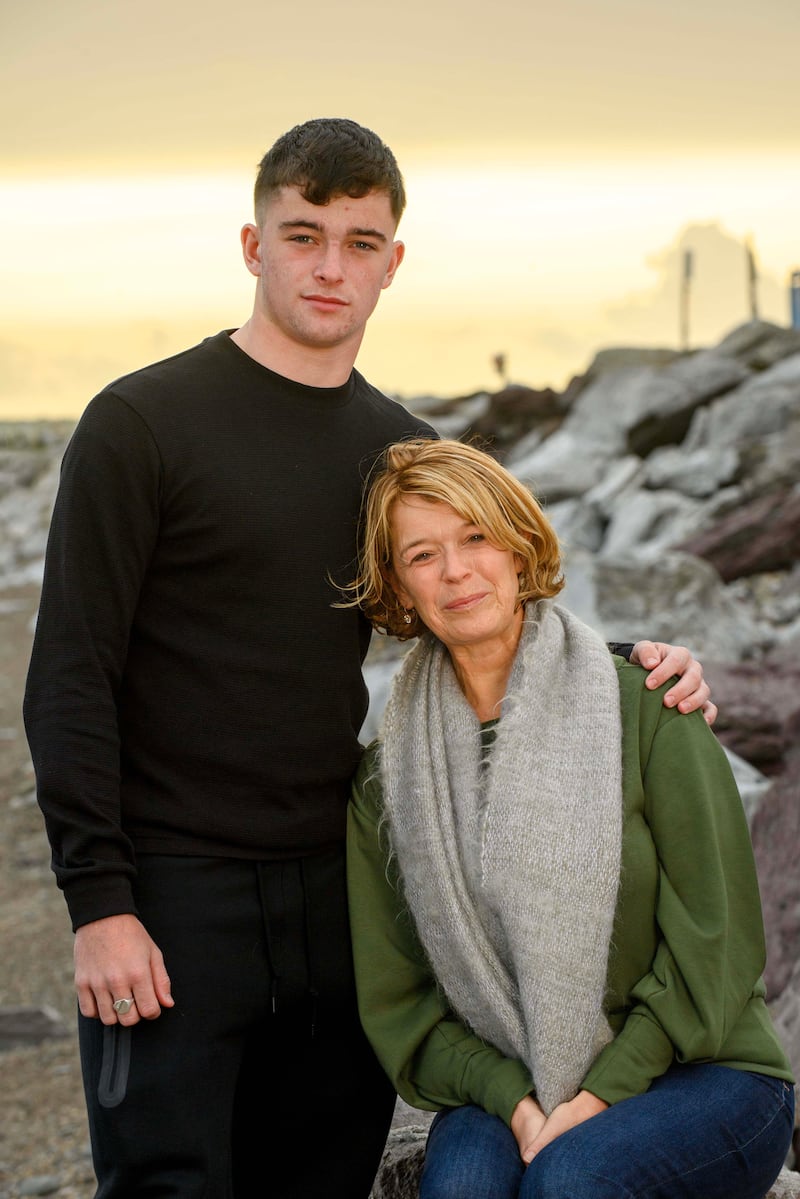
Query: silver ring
x: 123, y: 1006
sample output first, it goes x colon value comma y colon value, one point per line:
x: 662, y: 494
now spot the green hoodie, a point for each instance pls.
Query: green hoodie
x: 684, y: 976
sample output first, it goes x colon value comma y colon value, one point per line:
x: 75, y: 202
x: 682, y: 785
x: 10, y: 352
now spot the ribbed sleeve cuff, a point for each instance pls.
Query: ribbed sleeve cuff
x: 508, y: 1082
x: 641, y: 1052
x: 99, y: 896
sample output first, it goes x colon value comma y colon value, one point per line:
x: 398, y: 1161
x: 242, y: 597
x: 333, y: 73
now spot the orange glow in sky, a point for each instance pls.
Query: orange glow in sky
x: 554, y: 161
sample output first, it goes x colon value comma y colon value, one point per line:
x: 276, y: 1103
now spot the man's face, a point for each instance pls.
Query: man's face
x: 321, y: 268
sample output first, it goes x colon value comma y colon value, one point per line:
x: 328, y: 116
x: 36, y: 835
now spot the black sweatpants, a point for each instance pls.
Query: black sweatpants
x: 259, y: 1082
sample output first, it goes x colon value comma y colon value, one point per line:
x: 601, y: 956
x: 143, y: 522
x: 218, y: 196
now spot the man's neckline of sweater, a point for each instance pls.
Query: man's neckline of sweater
x: 329, y: 396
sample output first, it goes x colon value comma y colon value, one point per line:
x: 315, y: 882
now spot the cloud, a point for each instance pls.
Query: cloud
x: 719, y: 292
x: 181, y: 84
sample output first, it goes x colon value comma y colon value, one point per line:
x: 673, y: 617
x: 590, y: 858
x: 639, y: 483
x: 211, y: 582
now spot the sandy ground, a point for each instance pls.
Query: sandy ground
x: 43, y: 1133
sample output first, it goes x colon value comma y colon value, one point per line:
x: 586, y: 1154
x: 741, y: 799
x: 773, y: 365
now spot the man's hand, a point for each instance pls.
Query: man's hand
x: 116, y: 959
x: 527, y: 1122
x: 663, y: 661
x: 562, y: 1118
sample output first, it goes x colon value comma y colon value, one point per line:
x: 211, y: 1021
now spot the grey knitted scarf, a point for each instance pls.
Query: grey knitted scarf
x: 510, y: 867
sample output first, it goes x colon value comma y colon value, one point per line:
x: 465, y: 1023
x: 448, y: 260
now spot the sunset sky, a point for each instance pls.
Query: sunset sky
x: 558, y: 160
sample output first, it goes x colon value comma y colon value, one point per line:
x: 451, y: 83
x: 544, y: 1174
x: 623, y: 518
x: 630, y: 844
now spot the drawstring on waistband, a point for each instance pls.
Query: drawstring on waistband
x: 273, y: 970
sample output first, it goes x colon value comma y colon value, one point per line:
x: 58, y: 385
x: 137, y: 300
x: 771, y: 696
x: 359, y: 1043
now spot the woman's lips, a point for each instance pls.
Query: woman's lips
x: 466, y: 601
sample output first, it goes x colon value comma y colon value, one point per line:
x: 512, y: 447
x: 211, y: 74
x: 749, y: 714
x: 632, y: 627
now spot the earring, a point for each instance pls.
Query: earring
x: 407, y: 616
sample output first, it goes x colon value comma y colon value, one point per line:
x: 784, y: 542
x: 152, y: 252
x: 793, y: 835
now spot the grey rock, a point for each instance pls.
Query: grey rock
x: 30, y: 1025
x: 651, y: 519
x: 762, y: 535
x: 635, y: 410
x: 614, y: 358
x: 525, y: 446
x: 25, y: 516
x: 760, y: 344
x: 759, y: 704
x: 384, y: 657
x: 776, y: 837
x: 766, y: 403
x: 40, y: 1184
x: 580, y: 592
x: 517, y: 411
x: 752, y: 784
x: 452, y: 418
x: 622, y: 478
x: 578, y: 525
x: 786, y: 1186
x: 785, y: 1012
x: 674, y: 597
x: 668, y: 402
x: 563, y: 466
x: 698, y: 473
x: 744, y: 339
x: 401, y: 1167
x: 775, y: 597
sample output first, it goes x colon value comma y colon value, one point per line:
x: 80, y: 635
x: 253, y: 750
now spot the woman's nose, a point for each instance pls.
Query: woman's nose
x: 454, y: 565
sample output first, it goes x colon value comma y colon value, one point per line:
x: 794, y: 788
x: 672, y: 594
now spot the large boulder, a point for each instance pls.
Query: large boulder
x: 673, y: 597
x: 699, y: 473
x: 761, y: 535
x: 515, y: 411
x: 760, y: 344
x: 666, y: 407
x: 759, y: 707
x: 766, y: 403
x: 776, y: 838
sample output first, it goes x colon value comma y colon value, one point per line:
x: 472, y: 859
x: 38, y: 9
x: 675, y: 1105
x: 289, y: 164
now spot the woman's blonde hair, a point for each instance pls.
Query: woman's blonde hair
x: 475, y: 486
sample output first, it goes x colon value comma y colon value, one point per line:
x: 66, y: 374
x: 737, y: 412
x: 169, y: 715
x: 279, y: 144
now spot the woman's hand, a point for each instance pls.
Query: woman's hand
x: 561, y: 1119
x: 527, y: 1122
x: 663, y: 661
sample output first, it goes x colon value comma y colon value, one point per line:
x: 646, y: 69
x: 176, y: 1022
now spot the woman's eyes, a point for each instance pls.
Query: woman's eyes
x: 426, y: 555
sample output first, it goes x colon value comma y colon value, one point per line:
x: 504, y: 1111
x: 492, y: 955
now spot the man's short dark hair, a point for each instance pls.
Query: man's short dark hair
x: 330, y: 157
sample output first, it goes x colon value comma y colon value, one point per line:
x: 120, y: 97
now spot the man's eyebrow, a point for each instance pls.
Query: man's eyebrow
x: 376, y: 233
x: 354, y: 232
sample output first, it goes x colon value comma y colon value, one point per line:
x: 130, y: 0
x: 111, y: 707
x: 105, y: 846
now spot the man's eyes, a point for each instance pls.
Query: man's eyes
x: 306, y: 239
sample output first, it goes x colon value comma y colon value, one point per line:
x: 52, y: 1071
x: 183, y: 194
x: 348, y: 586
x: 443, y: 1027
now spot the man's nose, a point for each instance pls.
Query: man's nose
x: 329, y: 264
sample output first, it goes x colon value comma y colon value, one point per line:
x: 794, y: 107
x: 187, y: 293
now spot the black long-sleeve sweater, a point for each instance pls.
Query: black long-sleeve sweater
x: 192, y: 690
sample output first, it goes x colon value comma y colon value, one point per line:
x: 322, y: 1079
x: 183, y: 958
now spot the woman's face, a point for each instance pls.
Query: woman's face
x: 463, y: 587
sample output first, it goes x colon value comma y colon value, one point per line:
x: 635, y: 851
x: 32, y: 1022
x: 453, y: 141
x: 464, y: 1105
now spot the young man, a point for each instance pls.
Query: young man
x: 193, y: 708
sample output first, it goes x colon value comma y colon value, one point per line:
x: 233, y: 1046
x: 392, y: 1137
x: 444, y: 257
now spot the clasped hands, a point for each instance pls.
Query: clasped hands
x: 533, y: 1130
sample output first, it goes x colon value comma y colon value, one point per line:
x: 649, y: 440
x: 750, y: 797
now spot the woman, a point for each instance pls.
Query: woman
x: 556, y: 921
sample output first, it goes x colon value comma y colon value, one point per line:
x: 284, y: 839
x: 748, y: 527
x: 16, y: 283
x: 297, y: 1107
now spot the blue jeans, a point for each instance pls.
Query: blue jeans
x: 700, y: 1132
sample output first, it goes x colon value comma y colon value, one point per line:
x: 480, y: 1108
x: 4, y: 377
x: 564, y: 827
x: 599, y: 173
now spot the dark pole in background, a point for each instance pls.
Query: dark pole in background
x: 752, y: 278
x: 794, y: 293
x: 686, y: 282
